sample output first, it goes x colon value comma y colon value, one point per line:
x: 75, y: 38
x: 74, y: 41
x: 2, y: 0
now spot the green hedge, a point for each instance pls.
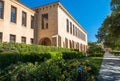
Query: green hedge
x: 50, y: 70
x: 7, y: 58
x: 116, y: 52
x: 72, y: 55
x: 18, y: 47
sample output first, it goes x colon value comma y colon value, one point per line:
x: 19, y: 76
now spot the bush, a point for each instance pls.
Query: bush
x: 18, y: 47
x: 50, y: 70
x: 72, y: 55
x: 95, y: 50
x: 116, y: 52
x: 7, y: 58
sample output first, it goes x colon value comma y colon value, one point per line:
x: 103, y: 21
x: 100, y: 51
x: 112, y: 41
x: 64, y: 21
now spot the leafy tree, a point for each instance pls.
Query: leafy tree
x: 109, y: 33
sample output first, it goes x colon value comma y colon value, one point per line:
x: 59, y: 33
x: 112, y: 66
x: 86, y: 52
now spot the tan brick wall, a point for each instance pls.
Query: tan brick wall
x: 52, y: 30
x: 7, y: 27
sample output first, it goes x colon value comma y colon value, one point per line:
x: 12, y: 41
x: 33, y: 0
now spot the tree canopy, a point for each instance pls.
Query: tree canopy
x: 109, y: 32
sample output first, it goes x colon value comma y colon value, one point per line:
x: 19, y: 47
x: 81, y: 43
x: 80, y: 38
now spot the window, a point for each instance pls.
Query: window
x: 73, y: 30
x: 32, y: 21
x: 23, y: 39
x: 31, y: 40
x: 70, y: 27
x: 24, y: 18
x: 67, y: 23
x: 12, y: 38
x: 44, y: 21
x: 0, y: 36
x: 13, y: 14
x: 1, y: 9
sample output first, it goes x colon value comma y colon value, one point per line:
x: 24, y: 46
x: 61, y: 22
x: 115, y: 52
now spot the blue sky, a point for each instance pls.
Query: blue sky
x: 89, y: 13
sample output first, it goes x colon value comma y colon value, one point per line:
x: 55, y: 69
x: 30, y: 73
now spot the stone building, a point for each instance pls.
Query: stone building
x: 16, y: 22
x: 56, y: 27
x: 50, y: 25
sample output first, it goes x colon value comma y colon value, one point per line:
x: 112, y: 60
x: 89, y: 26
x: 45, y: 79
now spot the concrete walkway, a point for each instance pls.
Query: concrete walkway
x: 110, y: 68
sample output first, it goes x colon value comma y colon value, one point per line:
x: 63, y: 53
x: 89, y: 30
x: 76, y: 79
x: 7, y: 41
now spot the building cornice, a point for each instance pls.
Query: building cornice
x: 63, y: 8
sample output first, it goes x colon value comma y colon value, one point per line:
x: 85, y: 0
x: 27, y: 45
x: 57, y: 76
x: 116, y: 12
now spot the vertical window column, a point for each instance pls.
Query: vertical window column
x: 24, y: 18
x: 70, y: 27
x: 1, y: 9
x: 67, y: 24
x: 13, y: 14
x: 44, y: 21
x: 1, y: 35
x: 31, y: 40
x: 32, y: 21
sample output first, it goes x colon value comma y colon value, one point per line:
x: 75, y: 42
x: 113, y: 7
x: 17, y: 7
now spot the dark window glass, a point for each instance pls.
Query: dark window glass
x: 31, y: 40
x: 70, y: 27
x: 67, y: 24
x: 44, y: 21
x: 12, y: 38
x: 32, y: 21
x: 1, y: 9
x: 24, y: 18
x: 0, y: 36
x: 73, y: 30
x: 23, y: 39
x: 13, y: 14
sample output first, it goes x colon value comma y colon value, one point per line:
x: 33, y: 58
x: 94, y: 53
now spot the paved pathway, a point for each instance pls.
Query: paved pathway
x: 110, y: 68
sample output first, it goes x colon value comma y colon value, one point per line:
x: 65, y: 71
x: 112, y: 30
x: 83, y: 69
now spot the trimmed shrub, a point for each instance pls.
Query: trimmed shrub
x: 116, y: 52
x: 72, y: 55
x: 19, y: 47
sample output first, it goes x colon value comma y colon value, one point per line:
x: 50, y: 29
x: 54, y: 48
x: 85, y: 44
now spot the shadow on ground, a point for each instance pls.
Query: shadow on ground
x: 110, y: 69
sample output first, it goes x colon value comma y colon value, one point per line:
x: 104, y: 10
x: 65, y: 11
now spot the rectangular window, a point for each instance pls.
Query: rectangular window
x: 31, y: 40
x: 44, y: 21
x: 32, y: 21
x: 23, y: 39
x: 24, y: 18
x: 73, y: 30
x: 1, y: 9
x: 70, y: 27
x: 13, y: 14
x: 12, y: 38
x: 1, y: 36
x: 67, y: 23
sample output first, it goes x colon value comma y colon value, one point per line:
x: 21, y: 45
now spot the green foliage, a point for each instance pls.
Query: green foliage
x: 94, y: 49
x: 72, y: 55
x: 116, y: 52
x: 108, y: 33
x: 17, y: 47
x: 21, y: 62
x: 50, y: 70
x: 7, y: 58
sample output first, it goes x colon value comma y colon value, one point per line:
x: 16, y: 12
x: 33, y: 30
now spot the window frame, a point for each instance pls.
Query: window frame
x: 15, y: 18
x: 1, y: 36
x: 43, y: 24
x: 24, y: 22
x: 31, y: 40
x: 2, y: 14
x: 14, y: 38
x: 32, y: 21
x: 67, y: 24
x: 23, y: 39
